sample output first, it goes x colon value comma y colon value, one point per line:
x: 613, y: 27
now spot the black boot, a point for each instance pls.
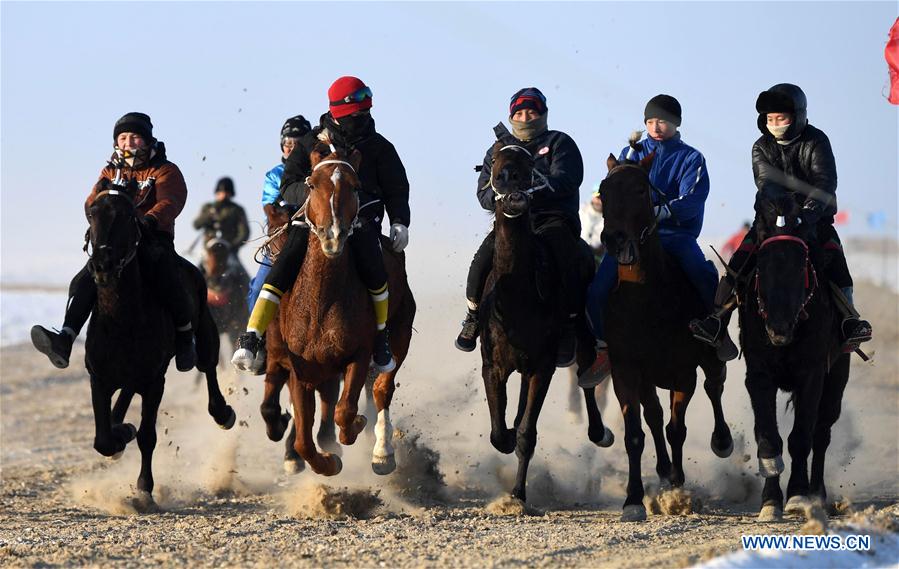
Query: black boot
x: 381, y: 356
x: 185, y: 350
x: 565, y: 355
x: 712, y: 329
x: 467, y: 338
x: 55, y: 345
x: 250, y: 354
x: 855, y: 331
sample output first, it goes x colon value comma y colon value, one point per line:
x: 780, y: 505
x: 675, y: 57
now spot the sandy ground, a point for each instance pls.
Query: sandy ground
x: 225, y: 501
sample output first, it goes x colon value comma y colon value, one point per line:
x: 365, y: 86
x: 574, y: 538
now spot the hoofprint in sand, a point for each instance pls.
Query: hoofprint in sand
x: 225, y: 500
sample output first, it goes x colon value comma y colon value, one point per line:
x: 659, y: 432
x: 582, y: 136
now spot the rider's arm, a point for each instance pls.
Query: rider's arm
x: 203, y: 218
x: 693, y: 189
x: 764, y: 172
x: 171, y: 194
x: 566, y: 171
x: 243, y: 229
x: 485, y: 191
x: 823, y: 176
x: 393, y: 183
x: 271, y: 187
x: 296, y: 167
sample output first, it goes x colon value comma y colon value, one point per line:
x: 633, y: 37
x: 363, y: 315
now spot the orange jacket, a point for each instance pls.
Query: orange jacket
x: 162, y: 198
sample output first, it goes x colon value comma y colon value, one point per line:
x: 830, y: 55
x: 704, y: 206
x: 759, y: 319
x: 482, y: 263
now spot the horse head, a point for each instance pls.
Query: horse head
x: 626, y: 194
x: 217, y: 252
x: 785, y: 280
x: 333, y: 204
x: 511, y: 177
x: 114, y: 231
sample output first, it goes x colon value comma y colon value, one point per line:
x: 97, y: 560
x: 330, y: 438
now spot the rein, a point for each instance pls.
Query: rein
x: 811, y: 284
x: 132, y: 251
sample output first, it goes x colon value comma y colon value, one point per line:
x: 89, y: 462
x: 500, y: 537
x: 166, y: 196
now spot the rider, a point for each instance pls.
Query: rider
x: 679, y: 172
x: 224, y: 218
x: 274, y: 205
x: 592, y: 224
x: 792, y: 157
x: 140, y: 157
x: 383, y: 186
x: 553, y: 213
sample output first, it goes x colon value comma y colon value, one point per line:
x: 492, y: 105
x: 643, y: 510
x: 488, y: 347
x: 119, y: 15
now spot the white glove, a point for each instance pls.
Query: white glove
x: 662, y: 212
x: 399, y: 235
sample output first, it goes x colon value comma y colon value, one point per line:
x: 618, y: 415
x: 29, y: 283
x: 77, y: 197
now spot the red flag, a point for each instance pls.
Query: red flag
x: 841, y: 218
x: 891, y: 52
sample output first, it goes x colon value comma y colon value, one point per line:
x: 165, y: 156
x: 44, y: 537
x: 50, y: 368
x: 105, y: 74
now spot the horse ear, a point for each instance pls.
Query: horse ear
x: 646, y: 163
x: 496, y: 146
x: 315, y: 156
x: 611, y: 162
x: 355, y: 160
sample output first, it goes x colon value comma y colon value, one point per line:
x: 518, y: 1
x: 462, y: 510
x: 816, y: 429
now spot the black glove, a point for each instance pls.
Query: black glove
x: 149, y: 222
x: 812, y: 211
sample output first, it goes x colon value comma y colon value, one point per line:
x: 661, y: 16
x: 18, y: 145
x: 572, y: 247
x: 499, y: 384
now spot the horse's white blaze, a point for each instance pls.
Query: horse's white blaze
x: 335, y: 176
x: 384, y: 436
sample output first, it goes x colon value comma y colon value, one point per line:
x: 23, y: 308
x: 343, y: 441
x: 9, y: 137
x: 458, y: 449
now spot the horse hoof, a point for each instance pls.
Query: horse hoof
x: 771, y: 467
x: 116, y: 456
x: 723, y: 451
x: 337, y: 464
x: 634, y: 513
x: 229, y: 422
x: 797, y: 504
x: 608, y: 439
x: 144, y: 503
x: 770, y: 513
x: 242, y: 359
x: 294, y: 466
x: 383, y: 465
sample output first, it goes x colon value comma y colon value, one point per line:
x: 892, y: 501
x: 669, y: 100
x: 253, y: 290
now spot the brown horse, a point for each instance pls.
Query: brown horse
x: 130, y: 339
x: 523, y: 326
x: 331, y: 321
x: 650, y: 344
x: 227, y: 284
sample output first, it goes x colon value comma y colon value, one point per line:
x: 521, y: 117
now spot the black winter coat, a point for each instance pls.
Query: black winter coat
x: 381, y: 173
x: 804, y: 169
x: 559, y: 159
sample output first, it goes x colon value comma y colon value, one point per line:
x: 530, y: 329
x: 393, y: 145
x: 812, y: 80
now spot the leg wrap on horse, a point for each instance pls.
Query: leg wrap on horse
x: 478, y: 271
x: 82, y: 296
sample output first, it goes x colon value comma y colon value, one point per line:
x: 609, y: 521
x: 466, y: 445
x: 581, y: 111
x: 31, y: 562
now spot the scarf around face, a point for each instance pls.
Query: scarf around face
x: 526, y: 131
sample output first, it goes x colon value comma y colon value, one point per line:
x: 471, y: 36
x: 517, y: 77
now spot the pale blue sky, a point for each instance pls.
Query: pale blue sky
x: 219, y: 79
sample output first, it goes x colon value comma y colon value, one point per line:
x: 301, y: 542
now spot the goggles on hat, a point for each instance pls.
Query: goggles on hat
x: 354, y: 97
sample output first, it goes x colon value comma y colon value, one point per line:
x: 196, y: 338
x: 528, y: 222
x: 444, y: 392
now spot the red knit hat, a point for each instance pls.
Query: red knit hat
x: 348, y: 95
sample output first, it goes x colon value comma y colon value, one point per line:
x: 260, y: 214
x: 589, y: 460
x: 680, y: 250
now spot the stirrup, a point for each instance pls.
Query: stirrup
x: 697, y: 327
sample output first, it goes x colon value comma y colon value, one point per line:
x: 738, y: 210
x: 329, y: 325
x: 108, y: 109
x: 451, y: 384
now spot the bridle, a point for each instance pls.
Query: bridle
x: 811, y: 282
x: 654, y: 224
x: 132, y: 250
x: 320, y: 231
x: 538, y: 180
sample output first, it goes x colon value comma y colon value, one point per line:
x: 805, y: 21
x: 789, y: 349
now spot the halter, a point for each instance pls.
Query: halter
x: 539, y: 180
x: 132, y: 251
x: 811, y: 284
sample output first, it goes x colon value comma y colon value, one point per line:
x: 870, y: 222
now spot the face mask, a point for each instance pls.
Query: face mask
x: 354, y: 126
x: 136, y: 159
x: 526, y: 131
x: 778, y: 131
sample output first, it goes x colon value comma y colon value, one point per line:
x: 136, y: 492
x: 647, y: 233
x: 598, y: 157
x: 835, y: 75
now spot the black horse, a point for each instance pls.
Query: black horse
x: 130, y: 338
x: 650, y: 345
x: 524, y: 320
x: 227, y: 283
x: 790, y: 335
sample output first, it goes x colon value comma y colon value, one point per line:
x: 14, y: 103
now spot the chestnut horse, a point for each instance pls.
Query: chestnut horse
x: 130, y: 339
x: 649, y: 341
x: 522, y: 326
x: 227, y: 284
x: 331, y: 323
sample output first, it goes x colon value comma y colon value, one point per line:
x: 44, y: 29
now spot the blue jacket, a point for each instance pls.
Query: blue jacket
x: 271, y: 188
x: 678, y: 170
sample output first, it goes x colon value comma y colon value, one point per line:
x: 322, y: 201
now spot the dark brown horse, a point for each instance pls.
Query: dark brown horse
x: 227, y: 284
x: 331, y: 321
x: 650, y: 344
x: 130, y: 339
x: 790, y: 335
x: 523, y: 326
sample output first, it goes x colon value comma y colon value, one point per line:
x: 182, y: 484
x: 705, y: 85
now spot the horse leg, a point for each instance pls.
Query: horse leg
x: 123, y: 401
x: 346, y: 415
x: 763, y: 397
x: 523, y: 390
x: 501, y: 437
x: 270, y: 409
x: 293, y: 462
x: 652, y: 414
x: 597, y: 432
x: 329, y: 392
x: 303, y: 396
x: 805, y: 402
x: 526, y: 440
x: 722, y: 442
x: 574, y: 397
x: 221, y: 412
x: 626, y: 385
x: 828, y: 413
x: 146, y: 435
x: 676, y: 431
x: 108, y: 441
x: 383, y: 460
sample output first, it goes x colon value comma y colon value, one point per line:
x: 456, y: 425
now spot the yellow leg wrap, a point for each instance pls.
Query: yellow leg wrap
x: 264, y: 310
x: 380, y: 299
